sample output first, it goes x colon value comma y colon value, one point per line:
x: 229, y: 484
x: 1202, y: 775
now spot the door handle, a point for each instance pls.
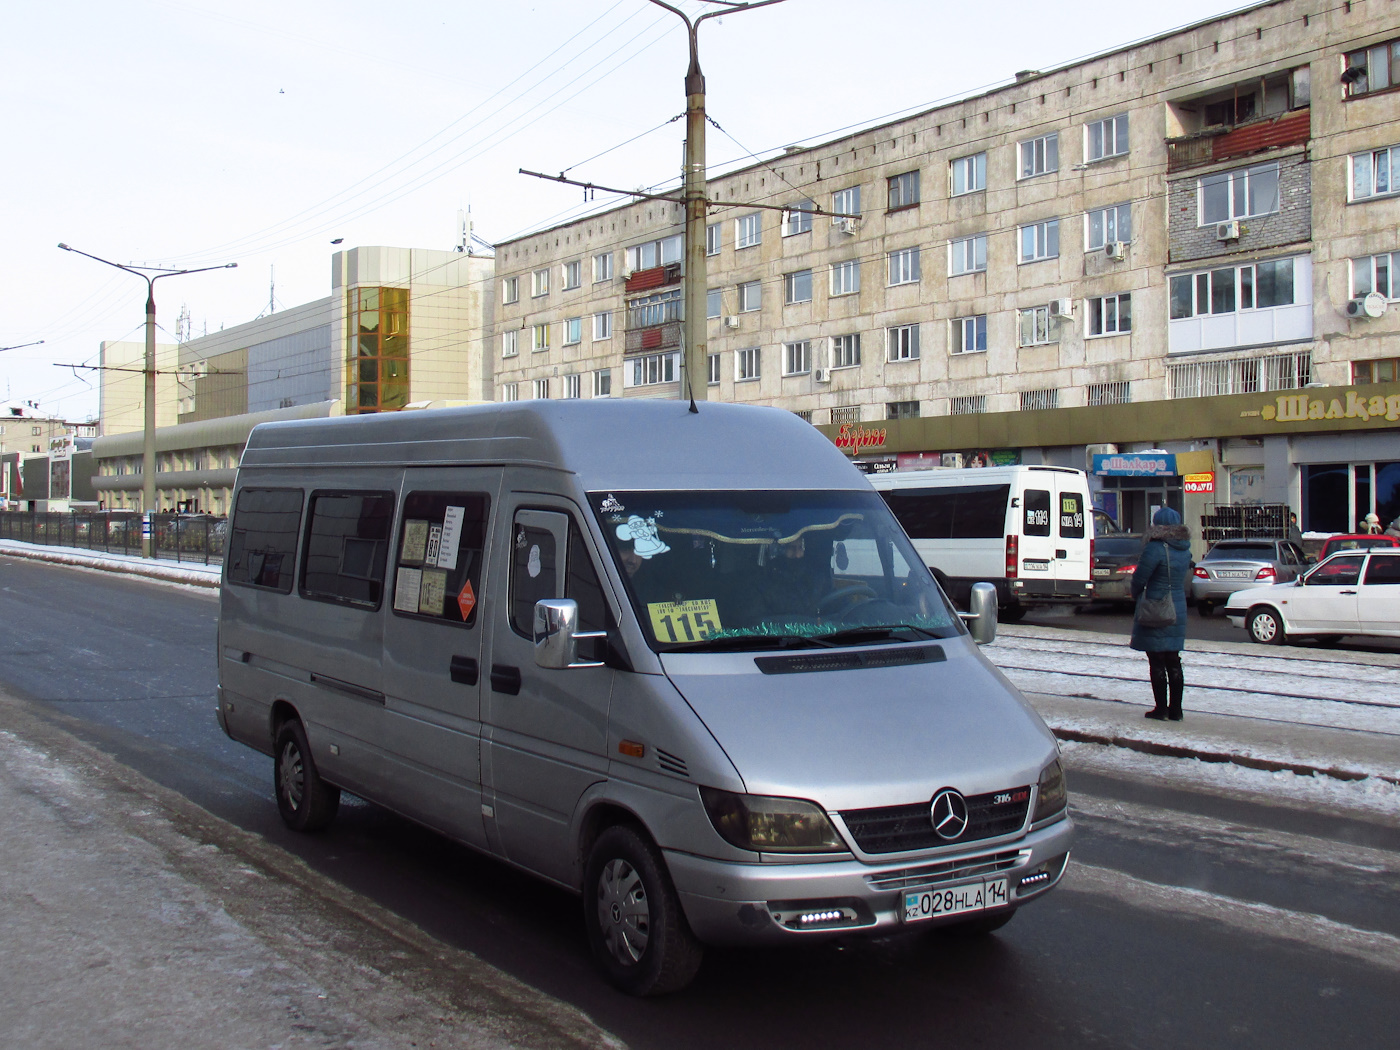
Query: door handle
x: 505, y: 679
x: 1346, y: 592
x: 1062, y: 554
x: 464, y: 670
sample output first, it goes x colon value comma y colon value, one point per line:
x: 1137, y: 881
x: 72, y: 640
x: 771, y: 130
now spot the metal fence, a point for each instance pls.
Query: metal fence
x: 178, y: 537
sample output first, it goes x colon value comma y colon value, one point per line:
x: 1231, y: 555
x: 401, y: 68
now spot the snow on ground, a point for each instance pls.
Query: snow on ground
x: 161, y: 569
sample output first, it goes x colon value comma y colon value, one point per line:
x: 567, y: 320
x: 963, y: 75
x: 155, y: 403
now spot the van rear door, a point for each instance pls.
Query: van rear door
x: 1055, y: 533
x: 1072, y: 564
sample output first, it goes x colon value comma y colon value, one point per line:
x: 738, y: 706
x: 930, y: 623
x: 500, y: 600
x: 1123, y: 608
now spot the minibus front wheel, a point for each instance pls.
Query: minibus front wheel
x: 636, y: 927
x: 306, y: 802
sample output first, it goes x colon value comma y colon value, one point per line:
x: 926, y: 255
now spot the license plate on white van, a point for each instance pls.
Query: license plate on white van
x: 934, y: 903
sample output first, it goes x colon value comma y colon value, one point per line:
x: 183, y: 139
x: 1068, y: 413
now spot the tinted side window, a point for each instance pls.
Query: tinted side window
x: 263, y: 544
x: 347, y: 545
x: 1072, y: 515
x: 1337, y: 572
x: 534, y: 574
x: 956, y: 512
x: 581, y: 584
x: 1036, y: 504
x: 1383, y: 571
x: 441, y: 544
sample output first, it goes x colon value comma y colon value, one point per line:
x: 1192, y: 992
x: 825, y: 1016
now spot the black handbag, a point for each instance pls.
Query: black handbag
x: 1158, y: 612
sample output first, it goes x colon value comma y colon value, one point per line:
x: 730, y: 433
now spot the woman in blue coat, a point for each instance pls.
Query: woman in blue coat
x: 1162, y: 569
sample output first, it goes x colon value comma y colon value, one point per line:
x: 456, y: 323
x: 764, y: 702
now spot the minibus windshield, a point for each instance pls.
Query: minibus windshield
x: 717, y: 570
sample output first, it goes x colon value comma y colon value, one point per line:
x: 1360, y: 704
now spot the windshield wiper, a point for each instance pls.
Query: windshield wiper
x: 740, y: 642
x: 877, y: 633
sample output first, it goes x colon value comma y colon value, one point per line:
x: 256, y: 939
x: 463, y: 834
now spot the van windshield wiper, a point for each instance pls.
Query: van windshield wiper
x: 878, y: 633
x: 741, y: 642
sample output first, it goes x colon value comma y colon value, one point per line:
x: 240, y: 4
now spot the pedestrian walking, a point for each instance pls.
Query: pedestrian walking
x: 1160, y: 580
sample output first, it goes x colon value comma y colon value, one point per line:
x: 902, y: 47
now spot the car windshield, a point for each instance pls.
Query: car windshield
x: 749, y: 570
x: 1241, y: 552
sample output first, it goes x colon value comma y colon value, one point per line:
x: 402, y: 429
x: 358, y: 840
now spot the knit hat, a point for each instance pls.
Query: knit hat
x: 1166, y: 516
x: 1373, y: 518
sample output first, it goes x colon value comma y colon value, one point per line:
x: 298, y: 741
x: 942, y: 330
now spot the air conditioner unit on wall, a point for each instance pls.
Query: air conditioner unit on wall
x: 731, y: 322
x: 1227, y: 231
x: 1062, y: 308
x: 822, y: 375
x: 1115, y: 249
x: 1367, y: 307
x: 849, y: 226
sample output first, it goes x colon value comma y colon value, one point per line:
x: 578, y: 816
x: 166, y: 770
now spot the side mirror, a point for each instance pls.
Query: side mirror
x: 981, y: 618
x: 557, y: 635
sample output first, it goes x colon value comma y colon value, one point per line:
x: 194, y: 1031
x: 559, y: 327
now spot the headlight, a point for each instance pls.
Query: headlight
x: 1050, y: 793
x: 770, y: 825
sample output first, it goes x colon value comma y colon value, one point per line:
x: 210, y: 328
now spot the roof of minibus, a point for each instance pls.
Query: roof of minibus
x: 609, y: 443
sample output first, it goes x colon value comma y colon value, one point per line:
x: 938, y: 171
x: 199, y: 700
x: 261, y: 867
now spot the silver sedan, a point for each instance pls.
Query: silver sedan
x: 1232, y: 565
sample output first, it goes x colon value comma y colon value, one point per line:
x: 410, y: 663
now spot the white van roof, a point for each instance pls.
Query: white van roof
x: 609, y: 443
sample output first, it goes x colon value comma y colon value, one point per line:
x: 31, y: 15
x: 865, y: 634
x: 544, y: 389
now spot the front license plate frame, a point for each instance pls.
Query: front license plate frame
x: 963, y: 898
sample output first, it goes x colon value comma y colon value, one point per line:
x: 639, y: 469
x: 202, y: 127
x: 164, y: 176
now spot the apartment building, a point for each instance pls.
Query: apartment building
x: 1185, y: 247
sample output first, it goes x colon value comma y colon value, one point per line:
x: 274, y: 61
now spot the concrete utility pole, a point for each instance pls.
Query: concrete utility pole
x: 148, y: 449
x: 693, y: 327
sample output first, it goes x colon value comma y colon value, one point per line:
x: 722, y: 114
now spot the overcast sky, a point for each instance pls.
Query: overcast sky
x: 191, y: 133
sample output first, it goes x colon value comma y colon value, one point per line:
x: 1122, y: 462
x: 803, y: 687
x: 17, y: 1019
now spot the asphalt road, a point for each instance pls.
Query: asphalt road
x: 1185, y: 920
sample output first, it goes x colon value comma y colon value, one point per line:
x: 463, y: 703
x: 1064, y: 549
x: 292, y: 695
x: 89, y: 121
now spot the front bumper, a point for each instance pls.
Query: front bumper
x: 728, y: 903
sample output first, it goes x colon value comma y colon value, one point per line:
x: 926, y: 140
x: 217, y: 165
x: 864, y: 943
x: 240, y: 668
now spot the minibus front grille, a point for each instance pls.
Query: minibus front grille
x: 850, y: 659
x: 947, y: 871
x: 895, y: 829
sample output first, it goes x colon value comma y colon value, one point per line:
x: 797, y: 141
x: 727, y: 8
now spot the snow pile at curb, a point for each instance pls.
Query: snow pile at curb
x: 198, y: 575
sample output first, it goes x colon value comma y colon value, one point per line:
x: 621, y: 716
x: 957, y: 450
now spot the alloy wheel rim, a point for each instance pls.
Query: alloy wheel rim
x: 293, y: 774
x: 624, y: 914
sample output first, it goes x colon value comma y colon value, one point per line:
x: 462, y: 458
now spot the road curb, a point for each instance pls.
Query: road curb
x: 155, y: 570
x: 1156, y: 747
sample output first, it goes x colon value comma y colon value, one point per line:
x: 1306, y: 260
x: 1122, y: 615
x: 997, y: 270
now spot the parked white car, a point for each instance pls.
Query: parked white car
x: 1352, y: 592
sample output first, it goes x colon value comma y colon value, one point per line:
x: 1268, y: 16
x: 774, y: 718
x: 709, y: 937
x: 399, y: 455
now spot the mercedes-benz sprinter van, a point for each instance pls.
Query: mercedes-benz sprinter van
x: 682, y: 662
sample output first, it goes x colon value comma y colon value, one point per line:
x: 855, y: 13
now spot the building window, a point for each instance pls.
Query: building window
x: 846, y: 414
x: 541, y: 389
x: 1257, y: 286
x: 967, y: 255
x: 539, y: 283
x: 748, y: 230
x: 376, y: 353
x: 712, y: 375
x: 969, y: 174
x: 653, y: 369
x: 967, y: 405
x: 902, y: 342
x: 1239, y: 194
x: 1036, y: 327
x: 602, y: 382
x: 1039, y: 156
x: 573, y: 385
x: 797, y: 287
x: 902, y: 410
x: 1040, y: 240
x: 1110, y: 394
x: 573, y: 330
x: 651, y: 254
x: 904, y: 266
x: 573, y: 275
x: 712, y: 238
x: 714, y: 302
x: 602, y: 267
x: 510, y: 290
x: 904, y: 190
x: 1109, y: 224
x: 1106, y: 138
x: 510, y: 343
x: 846, y: 202
x: 1374, y: 174
x: 1111, y: 315
x: 539, y: 338
x: 602, y: 326
x: 750, y: 296
x: 1239, y: 375
x: 798, y: 218
x: 797, y: 358
x: 1374, y: 69
x: 651, y: 310
x: 1376, y: 273
x: 804, y: 414
x: 845, y: 350
x: 1039, y: 400
x: 845, y: 277
x: 968, y: 335
x: 746, y: 364
x: 1385, y: 370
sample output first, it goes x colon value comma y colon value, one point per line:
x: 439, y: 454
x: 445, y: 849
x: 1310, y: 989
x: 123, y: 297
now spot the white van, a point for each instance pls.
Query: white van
x: 1026, y: 530
x: 683, y: 663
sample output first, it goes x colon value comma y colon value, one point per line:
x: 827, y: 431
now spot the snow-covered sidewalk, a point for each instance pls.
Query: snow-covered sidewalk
x: 155, y: 569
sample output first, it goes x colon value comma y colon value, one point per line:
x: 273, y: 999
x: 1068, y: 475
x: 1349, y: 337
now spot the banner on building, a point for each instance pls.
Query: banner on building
x: 1136, y: 465
x: 1199, y: 482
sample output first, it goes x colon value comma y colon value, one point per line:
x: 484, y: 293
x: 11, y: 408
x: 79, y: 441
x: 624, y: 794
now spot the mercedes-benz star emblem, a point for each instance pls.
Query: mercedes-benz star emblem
x: 949, y: 812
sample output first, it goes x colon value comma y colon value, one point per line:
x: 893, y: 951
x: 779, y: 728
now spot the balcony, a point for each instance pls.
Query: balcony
x: 652, y: 338
x: 654, y: 321
x: 655, y: 277
x: 1224, y: 143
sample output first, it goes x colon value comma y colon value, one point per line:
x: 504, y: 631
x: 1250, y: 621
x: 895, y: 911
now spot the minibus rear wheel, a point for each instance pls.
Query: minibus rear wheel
x: 636, y: 927
x: 306, y: 802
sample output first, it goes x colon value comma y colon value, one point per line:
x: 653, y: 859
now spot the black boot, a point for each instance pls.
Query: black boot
x: 1158, y: 674
x: 1176, y: 685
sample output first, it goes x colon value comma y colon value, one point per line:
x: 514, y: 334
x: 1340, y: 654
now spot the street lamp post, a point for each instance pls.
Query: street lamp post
x: 21, y: 346
x: 148, y: 450
x: 693, y: 325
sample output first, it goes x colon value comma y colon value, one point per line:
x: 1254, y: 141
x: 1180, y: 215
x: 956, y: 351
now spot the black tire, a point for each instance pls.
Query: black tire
x: 306, y: 802
x: 636, y: 928
x: 980, y: 926
x: 1205, y: 608
x: 1011, y: 613
x: 1265, y: 626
